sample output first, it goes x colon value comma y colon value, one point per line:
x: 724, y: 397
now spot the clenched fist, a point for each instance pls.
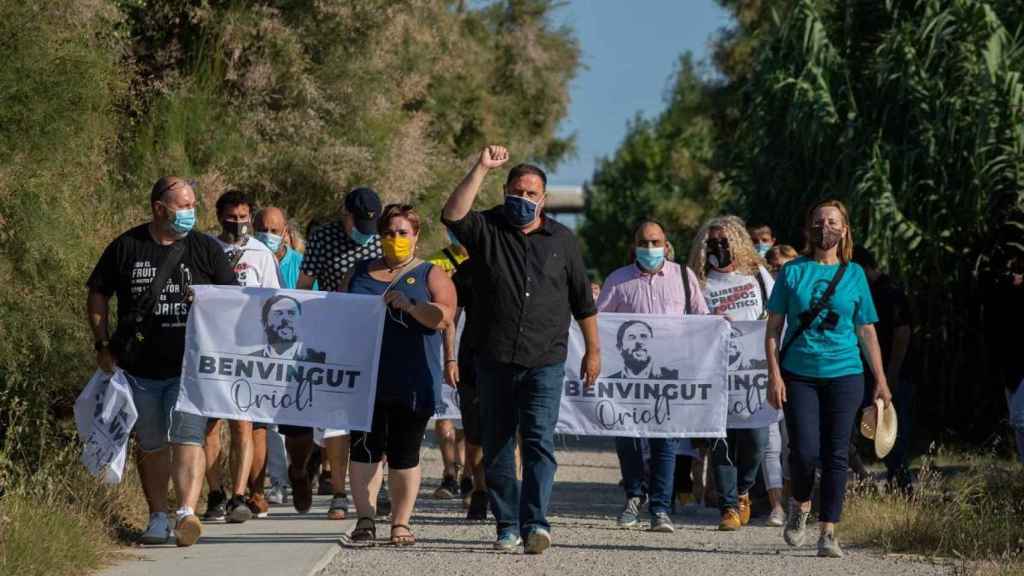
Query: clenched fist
x: 493, y: 156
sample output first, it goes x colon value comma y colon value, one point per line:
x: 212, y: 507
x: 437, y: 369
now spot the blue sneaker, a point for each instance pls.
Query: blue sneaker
x: 508, y: 542
x: 538, y: 541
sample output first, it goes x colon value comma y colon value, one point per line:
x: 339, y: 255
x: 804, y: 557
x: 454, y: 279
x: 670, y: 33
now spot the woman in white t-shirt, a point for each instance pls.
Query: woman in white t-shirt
x: 735, y: 284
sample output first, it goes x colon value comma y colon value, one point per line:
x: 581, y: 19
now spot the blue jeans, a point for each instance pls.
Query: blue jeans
x: 158, y: 422
x: 736, y: 460
x: 663, y: 465
x: 525, y: 399
x: 819, y: 418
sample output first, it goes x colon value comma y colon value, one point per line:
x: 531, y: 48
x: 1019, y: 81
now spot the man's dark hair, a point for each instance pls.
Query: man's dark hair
x: 626, y: 325
x: 865, y: 258
x: 274, y: 300
x: 233, y: 198
x: 520, y: 170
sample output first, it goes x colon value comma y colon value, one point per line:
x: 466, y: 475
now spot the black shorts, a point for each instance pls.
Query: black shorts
x: 469, y: 398
x: 397, y: 432
x: 295, y: 431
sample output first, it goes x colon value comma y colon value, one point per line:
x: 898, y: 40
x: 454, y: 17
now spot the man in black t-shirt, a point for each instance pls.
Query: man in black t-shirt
x: 149, y: 344
x: 894, y: 327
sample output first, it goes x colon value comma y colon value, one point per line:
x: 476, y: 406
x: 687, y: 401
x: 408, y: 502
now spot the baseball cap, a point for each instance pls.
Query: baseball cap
x: 364, y: 206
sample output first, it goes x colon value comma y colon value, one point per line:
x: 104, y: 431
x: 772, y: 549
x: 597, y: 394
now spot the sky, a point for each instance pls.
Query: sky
x: 630, y: 49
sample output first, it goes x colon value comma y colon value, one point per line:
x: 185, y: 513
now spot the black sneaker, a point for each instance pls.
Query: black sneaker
x: 449, y: 488
x: 237, y: 510
x: 466, y: 486
x: 324, y: 487
x: 215, y: 506
x: 477, y: 506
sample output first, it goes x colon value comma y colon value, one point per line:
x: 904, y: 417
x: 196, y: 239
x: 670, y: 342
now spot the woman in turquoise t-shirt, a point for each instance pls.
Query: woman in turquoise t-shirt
x: 820, y: 382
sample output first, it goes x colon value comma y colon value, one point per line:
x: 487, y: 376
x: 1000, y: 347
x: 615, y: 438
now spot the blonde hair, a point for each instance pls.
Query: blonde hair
x: 845, y: 249
x: 746, y: 258
x: 782, y: 251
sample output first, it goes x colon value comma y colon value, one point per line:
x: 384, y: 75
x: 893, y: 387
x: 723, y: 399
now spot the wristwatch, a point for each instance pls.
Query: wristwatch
x: 101, y: 345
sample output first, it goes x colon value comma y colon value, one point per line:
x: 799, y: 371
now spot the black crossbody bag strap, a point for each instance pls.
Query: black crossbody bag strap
x: 764, y: 291
x: 808, y: 317
x: 686, y: 288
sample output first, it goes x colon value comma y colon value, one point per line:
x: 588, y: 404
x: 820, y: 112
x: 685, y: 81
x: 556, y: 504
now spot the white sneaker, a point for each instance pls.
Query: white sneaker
x: 277, y: 494
x: 158, y: 531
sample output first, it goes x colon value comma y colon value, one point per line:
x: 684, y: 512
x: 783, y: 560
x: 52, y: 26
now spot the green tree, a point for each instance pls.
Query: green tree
x: 911, y: 112
x: 663, y: 169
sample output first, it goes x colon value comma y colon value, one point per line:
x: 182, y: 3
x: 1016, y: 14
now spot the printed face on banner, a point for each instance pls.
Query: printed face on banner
x: 748, y: 377
x: 664, y: 377
x: 282, y: 356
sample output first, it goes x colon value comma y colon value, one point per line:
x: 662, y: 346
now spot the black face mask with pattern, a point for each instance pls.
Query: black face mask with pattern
x: 825, y: 238
x: 235, y: 232
x: 719, y: 255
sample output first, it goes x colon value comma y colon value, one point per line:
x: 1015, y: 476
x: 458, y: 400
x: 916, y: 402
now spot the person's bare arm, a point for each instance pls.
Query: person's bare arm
x: 590, y: 367
x: 436, y: 314
x: 461, y: 201
x: 772, y: 338
x: 97, y: 306
x: 870, y: 349
x: 451, y: 360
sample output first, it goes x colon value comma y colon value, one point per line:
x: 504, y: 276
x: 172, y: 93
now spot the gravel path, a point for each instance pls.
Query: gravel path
x: 586, y: 541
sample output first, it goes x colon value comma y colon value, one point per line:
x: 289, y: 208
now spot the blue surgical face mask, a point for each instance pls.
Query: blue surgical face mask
x: 762, y: 249
x: 360, y: 238
x: 453, y: 240
x: 183, y: 220
x: 650, y: 259
x: 273, y: 241
x: 519, y: 211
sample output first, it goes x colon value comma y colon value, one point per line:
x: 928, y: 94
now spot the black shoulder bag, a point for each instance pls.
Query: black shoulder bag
x: 807, y: 316
x: 131, y: 332
x: 686, y: 288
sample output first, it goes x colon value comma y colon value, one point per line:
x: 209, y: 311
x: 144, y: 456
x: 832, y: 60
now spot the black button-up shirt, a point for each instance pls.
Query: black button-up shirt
x: 526, y: 287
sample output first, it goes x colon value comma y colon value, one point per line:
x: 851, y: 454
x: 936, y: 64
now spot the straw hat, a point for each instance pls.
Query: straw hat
x: 878, y: 423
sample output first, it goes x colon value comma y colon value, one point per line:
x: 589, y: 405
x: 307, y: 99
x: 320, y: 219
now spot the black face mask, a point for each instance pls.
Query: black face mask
x: 718, y: 253
x: 235, y: 232
x: 825, y: 238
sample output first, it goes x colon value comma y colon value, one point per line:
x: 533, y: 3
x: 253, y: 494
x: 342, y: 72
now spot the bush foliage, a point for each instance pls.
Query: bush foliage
x: 294, y: 101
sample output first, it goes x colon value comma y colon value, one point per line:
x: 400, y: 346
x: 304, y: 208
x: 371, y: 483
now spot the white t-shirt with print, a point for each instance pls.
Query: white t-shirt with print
x: 257, y: 268
x: 738, y: 296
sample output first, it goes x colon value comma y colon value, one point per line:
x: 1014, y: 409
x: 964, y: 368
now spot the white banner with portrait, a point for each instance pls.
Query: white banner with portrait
x: 748, y: 377
x: 282, y: 356
x: 662, y: 377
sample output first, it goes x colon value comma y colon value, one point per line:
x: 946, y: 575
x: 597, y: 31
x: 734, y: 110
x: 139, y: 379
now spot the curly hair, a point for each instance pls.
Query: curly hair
x: 747, y: 260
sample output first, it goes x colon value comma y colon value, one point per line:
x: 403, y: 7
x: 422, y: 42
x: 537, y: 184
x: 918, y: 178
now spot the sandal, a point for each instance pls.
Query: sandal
x: 364, y: 532
x: 402, y: 539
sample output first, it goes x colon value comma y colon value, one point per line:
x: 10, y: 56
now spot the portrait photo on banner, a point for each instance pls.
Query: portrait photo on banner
x: 662, y: 376
x: 282, y: 356
x: 748, y: 377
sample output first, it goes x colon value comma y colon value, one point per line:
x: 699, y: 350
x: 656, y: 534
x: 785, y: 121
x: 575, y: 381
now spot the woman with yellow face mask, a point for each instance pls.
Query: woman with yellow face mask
x: 421, y: 304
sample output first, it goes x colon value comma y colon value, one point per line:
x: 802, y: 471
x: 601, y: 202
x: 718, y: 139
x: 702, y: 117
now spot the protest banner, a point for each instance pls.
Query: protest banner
x: 748, y: 377
x: 104, y: 416
x: 662, y: 376
x: 282, y: 356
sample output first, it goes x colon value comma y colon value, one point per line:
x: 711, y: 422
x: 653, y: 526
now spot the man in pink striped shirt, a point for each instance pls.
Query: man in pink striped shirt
x: 652, y: 284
